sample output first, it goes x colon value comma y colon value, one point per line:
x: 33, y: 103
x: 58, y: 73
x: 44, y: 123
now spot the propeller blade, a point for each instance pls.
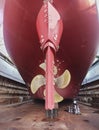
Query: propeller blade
x: 57, y: 97
x: 64, y: 80
x: 37, y: 82
x: 43, y: 66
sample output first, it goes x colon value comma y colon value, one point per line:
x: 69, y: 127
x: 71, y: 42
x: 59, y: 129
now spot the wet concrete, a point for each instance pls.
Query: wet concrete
x: 31, y: 116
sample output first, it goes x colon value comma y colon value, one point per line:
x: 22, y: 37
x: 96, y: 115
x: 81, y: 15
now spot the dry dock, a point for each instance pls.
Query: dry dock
x: 31, y: 116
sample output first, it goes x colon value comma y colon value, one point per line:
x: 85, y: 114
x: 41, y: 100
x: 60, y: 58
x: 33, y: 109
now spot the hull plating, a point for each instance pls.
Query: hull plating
x: 77, y: 48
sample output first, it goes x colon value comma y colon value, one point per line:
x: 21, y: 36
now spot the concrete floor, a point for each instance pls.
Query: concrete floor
x: 31, y: 116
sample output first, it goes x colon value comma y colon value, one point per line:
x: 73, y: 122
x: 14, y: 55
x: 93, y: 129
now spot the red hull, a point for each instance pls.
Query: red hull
x: 78, y: 44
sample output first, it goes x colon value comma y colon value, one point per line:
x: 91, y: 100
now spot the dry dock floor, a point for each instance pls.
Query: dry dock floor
x: 31, y: 116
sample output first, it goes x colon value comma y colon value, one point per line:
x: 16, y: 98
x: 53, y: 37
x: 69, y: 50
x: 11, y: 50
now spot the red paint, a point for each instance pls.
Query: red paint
x: 78, y: 43
x: 49, y: 98
x: 49, y: 26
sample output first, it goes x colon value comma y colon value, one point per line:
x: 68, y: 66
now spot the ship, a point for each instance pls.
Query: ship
x: 52, y: 43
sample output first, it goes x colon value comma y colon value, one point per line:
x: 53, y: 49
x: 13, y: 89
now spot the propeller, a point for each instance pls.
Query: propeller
x: 61, y: 82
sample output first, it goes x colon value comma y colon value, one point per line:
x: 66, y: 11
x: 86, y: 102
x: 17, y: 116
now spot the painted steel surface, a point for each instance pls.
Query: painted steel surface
x: 77, y: 48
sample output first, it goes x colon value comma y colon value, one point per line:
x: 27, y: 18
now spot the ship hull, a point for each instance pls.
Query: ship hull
x: 77, y: 47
